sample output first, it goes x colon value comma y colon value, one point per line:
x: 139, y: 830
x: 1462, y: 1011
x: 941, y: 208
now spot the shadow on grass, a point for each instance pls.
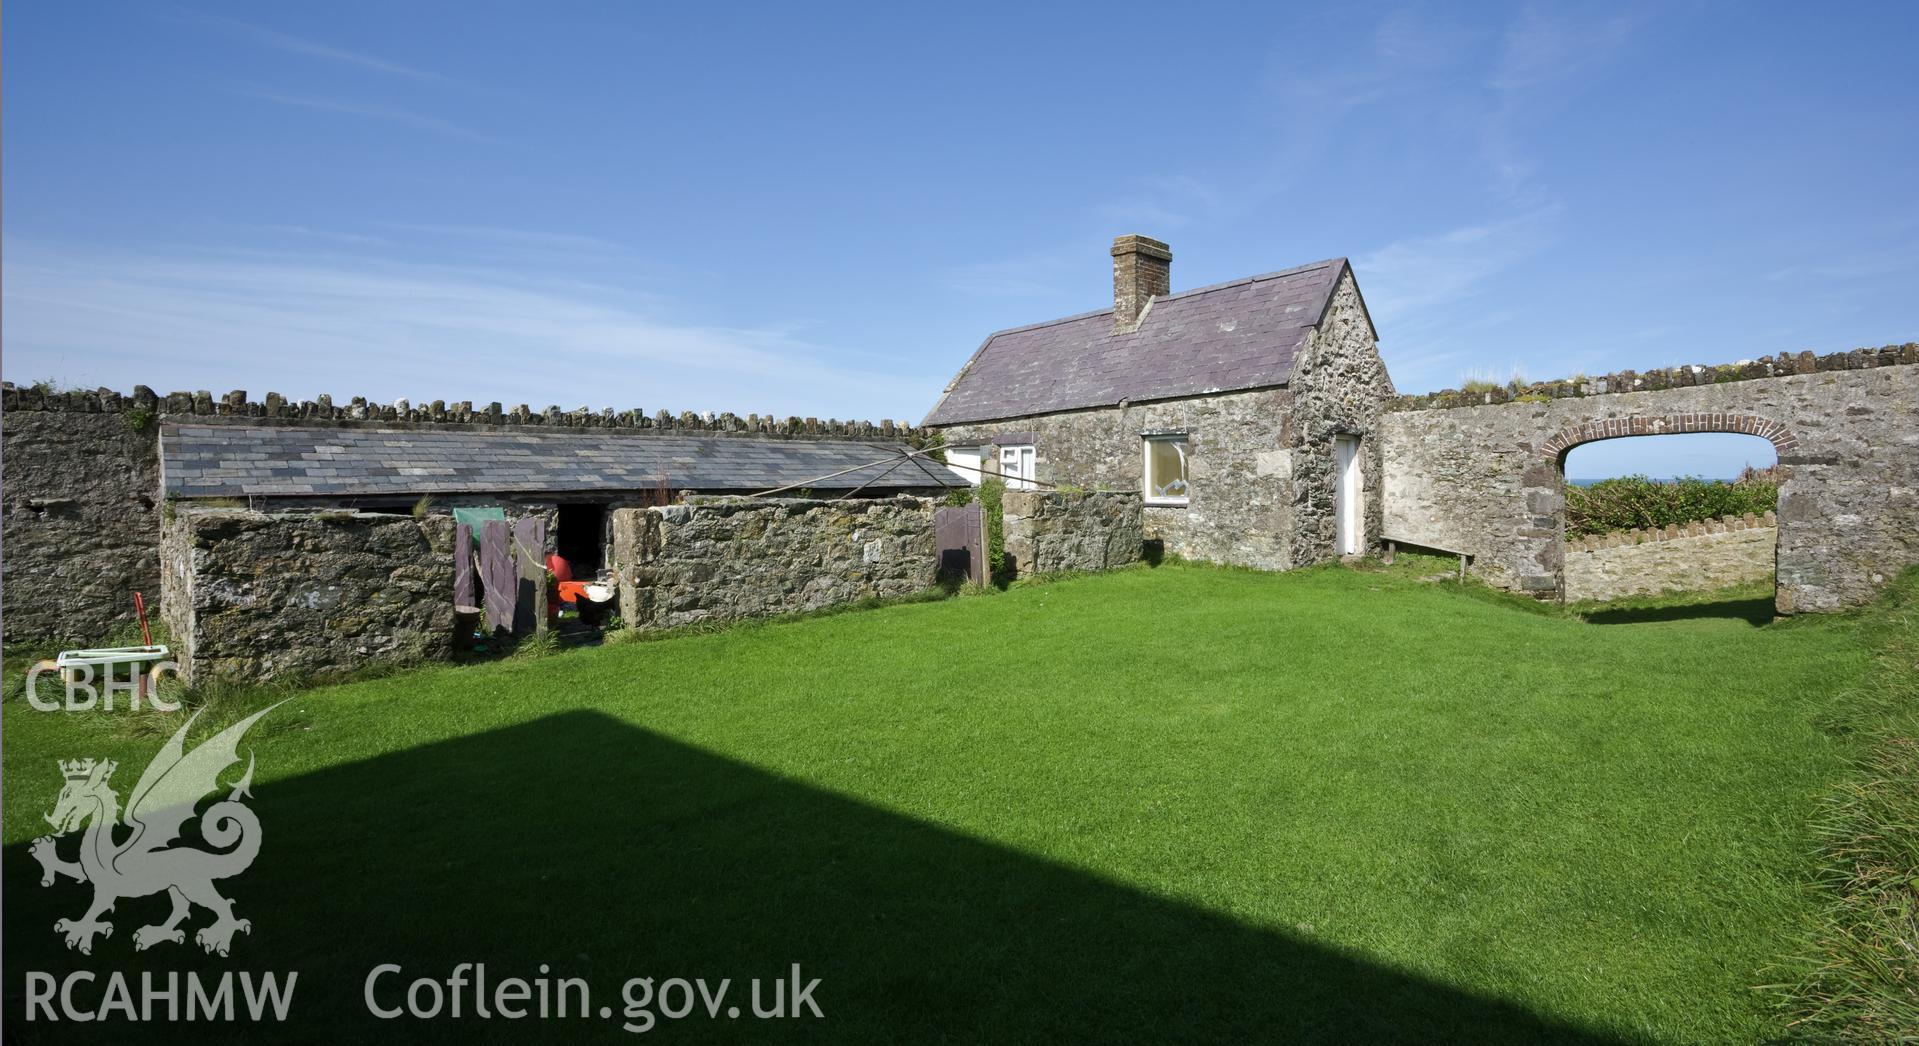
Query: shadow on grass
x: 609, y: 852
x: 1755, y: 611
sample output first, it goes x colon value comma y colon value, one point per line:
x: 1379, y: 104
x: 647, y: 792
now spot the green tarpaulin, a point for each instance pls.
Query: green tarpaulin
x: 477, y: 517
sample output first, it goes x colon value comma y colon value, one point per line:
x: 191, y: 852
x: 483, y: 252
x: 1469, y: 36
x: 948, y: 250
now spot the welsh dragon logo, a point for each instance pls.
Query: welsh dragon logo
x: 144, y: 860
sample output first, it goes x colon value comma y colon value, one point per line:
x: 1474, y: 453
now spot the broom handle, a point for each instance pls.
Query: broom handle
x: 140, y: 608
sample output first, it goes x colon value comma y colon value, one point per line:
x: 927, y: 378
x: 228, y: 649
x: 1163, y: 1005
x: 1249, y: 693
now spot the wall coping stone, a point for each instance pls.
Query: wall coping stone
x: 1643, y: 535
x: 1782, y: 365
x: 236, y: 407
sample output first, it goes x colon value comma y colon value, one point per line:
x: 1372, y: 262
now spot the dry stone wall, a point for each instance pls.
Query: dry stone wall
x: 201, y: 406
x: 257, y: 597
x: 1060, y: 532
x: 724, y: 559
x: 1486, y: 480
x: 1695, y: 557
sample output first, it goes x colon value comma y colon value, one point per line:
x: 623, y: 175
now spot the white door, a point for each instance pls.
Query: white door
x: 1346, y: 494
x: 1016, y: 467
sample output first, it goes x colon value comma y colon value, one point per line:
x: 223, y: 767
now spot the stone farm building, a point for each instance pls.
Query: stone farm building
x: 1259, y: 424
x: 92, y: 478
x: 1250, y: 422
x: 1247, y: 413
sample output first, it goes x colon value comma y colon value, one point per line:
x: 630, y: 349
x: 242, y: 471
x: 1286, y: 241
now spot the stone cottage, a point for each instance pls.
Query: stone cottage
x: 1247, y: 413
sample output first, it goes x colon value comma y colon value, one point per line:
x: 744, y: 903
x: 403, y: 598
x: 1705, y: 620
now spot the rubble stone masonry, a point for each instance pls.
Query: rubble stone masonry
x: 1694, y: 557
x: 1487, y: 479
x: 717, y: 559
x: 1260, y: 462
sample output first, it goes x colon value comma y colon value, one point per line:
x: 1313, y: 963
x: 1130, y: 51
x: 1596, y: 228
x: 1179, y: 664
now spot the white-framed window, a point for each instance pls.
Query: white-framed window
x: 1166, y: 469
x: 966, y: 462
x: 1016, y: 467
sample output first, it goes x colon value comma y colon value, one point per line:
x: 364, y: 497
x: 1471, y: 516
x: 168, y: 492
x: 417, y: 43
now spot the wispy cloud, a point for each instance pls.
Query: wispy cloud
x: 1160, y: 202
x: 305, y: 324
x: 1410, y: 275
x: 514, y: 237
x: 1543, y: 46
x: 312, y: 48
x: 350, y: 238
x: 1426, y: 293
x: 1542, y: 49
x: 401, y: 117
x: 1028, y: 275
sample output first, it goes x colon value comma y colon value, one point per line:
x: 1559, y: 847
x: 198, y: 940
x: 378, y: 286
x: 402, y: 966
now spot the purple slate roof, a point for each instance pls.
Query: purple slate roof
x: 1238, y: 335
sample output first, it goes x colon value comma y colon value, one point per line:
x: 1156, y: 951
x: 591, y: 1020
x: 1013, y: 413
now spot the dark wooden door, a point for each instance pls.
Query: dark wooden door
x: 960, y: 544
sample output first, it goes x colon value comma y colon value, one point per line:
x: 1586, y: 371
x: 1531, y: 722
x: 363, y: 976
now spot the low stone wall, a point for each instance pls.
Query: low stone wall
x: 1050, y: 531
x: 724, y: 559
x: 1695, y: 557
x: 258, y: 597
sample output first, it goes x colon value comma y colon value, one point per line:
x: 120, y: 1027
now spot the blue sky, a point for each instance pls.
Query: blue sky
x: 821, y: 210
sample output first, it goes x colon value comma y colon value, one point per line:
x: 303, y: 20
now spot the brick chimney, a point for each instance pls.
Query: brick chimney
x: 1142, y: 271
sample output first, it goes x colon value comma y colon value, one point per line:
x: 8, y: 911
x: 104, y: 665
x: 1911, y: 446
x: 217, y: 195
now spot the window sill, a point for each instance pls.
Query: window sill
x: 1161, y: 503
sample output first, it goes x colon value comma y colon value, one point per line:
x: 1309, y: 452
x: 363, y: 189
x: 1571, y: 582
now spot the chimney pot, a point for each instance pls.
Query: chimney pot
x: 1142, y: 271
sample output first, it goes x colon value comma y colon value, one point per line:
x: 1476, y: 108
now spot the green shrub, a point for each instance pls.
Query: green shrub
x: 1637, y: 501
x: 992, y: 494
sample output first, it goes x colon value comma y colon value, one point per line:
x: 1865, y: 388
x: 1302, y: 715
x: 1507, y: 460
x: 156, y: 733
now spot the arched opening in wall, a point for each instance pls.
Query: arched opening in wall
x: 1670, y: 522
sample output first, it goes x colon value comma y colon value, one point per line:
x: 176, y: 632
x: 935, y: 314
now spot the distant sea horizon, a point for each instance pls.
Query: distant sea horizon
x: 1658, y: 479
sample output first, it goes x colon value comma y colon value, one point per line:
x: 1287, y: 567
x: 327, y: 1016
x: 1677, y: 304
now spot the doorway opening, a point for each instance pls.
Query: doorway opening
x: 1348, y: 497
x: 581, y: 538
x: 1672, y: 520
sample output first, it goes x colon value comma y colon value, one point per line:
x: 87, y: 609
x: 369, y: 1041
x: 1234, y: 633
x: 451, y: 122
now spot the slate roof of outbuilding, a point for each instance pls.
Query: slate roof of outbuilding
x: 241, y: 460
x: 1227, y: 337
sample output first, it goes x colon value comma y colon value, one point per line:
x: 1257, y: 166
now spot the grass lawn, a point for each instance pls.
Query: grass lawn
x: 1173, y: 804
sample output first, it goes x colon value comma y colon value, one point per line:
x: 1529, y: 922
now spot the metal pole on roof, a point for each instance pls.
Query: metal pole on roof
x: 905, y: 454
x: 869, y: 481
x: 918, y: 457
x: 981, y: 471
x: 816, y: 479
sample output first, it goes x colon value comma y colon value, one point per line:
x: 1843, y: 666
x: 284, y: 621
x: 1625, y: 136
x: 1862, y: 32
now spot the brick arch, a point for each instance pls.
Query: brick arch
x: 1572, y: 436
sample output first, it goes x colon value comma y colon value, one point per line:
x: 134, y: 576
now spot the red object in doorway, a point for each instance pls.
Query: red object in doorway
x: 556, y: 590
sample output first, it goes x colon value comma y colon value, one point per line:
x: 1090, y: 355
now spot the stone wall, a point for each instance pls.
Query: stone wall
x: 1487, y: 480
x: 1682, y: 377
x: 257, y: 597
x: 1260, y: 463
x: 727, y: 558
x: 79, y: 522
x: 1694, y: 557
x: 204, y: 408
x: 1053, y: 532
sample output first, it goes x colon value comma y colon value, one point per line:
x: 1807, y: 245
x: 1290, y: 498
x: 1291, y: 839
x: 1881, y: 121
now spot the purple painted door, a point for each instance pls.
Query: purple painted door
x: 959, y: 543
